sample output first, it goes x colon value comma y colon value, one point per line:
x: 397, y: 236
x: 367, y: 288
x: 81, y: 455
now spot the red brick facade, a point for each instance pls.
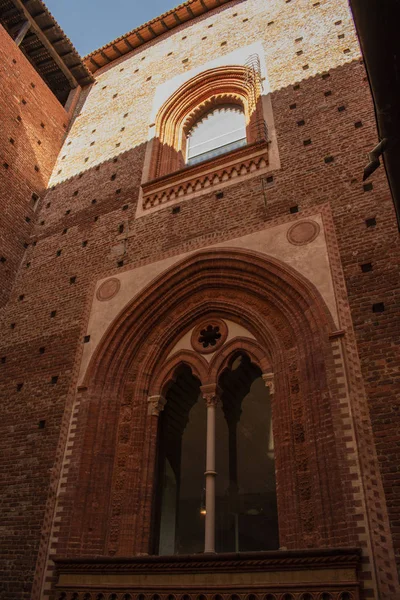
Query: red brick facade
x: 78, y: 442
x: 33, y: 126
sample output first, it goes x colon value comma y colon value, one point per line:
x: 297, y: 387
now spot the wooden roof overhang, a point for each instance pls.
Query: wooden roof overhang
x: 149, y: 31
x: 45, y: 45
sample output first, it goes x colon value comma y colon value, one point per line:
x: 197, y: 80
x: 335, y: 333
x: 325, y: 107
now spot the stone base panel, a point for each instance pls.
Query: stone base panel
x: 307, y: 575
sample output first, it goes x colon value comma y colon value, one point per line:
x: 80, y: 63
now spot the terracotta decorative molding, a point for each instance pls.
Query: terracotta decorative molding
x: 200, y: 593
x: 139, y: 36
x: 320, y: 592
x: 222, y: 562
x: 208, y: 176
x: 303, y: 233
x: 209, y: 336
x: 108, y: 289
x: 292, y: 322
x: 230, y: 84
x: 331, y: 575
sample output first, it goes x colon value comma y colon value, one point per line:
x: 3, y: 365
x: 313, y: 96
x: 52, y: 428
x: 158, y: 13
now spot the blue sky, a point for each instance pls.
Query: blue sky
x: 90, y: 24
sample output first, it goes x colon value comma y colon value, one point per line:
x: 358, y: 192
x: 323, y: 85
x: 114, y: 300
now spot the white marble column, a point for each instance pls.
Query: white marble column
x: 211, y: 396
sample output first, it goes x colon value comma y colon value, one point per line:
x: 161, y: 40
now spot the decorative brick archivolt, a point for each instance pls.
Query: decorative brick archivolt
x: 208, y: 373
x: 116, y: 438
x: 223, y: 359
x: 166, y: 373
x: 291, y: 323
x: 168, y: 177
x: 222, y: 85
x: 166, y: 286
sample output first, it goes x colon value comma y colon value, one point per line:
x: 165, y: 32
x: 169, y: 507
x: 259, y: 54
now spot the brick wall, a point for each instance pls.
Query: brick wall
x: 94, y: 190
x: 33, y: 125
x: 32, y: 130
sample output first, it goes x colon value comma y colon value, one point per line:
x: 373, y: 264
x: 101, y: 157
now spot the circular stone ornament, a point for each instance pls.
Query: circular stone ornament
x: 303, y: 233
x: 108, y: 289
x: 209, y: 336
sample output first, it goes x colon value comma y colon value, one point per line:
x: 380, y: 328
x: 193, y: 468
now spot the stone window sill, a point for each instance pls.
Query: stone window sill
x: 203, y: 178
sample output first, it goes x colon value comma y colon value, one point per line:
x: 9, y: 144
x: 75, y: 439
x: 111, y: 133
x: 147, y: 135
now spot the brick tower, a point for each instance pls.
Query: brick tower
x: 199, y: 311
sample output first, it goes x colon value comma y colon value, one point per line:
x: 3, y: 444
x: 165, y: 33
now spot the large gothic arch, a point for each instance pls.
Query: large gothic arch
x: 291, y: 325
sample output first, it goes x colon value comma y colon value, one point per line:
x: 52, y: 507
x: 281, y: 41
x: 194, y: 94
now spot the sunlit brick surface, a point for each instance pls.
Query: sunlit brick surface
x: 319, y: 93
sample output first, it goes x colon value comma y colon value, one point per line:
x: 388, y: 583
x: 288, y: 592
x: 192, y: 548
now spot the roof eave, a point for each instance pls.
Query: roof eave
x: 147, y: 32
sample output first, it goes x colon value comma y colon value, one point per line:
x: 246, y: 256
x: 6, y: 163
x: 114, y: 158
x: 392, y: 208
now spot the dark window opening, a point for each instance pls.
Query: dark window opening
x: 245, y: 497
x: 378, y: 307
x: 246, y: 506
x: 366, y: 267
x: 182, y: 455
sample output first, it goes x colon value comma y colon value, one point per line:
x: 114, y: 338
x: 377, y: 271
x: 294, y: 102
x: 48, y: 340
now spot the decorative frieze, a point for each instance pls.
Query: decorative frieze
x: 206, y: 177
x: 289, y: 575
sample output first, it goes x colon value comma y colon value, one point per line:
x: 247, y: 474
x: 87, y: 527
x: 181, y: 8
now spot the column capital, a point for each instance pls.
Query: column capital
x: 211, y: 393
x: 155, y: 405
x: 269, y: 382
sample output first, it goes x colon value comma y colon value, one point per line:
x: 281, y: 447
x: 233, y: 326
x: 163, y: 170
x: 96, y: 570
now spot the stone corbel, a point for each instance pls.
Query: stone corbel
x: 155, y: 405
x: 269, y: 382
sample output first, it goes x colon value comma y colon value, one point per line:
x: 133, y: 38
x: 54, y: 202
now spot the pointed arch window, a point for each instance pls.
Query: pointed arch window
x: 244, y: 494
x: 217, y: 132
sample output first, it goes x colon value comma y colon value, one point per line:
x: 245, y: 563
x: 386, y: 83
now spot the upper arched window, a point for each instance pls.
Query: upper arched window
x: 219, y: 131
x: 213, y: 113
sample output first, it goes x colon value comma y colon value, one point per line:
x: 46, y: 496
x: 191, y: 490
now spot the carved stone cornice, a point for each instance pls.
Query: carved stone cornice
x: 155, y: 405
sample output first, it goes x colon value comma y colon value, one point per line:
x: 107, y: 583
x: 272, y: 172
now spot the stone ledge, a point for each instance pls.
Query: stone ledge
x: 298, y: 575
x: 245, y: 561
x: 207, y: 176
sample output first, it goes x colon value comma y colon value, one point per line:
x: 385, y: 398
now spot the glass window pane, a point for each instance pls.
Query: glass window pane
x: 216, y: 152
x: 219, y: 131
